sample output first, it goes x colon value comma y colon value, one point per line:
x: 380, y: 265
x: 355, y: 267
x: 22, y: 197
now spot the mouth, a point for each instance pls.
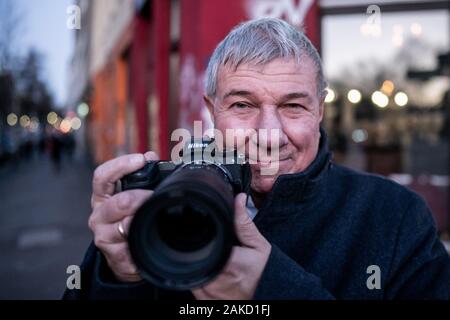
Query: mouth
x: 267, y: 161
x: 275, y: 165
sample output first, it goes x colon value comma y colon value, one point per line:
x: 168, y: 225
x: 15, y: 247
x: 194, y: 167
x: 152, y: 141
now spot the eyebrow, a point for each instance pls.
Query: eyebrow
x: 286, y: 97
x: 241, y: 93
x: 295, y: 95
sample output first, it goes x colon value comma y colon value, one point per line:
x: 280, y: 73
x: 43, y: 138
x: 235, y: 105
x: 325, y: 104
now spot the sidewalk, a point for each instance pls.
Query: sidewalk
x: 43, y: 226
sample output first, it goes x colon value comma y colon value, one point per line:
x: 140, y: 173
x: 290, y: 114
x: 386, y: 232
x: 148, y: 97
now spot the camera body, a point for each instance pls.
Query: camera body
x: 232, y: 165
x: 183, y: 235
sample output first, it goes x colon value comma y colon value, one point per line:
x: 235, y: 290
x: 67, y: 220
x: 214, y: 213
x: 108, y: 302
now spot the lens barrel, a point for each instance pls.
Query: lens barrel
x: 183, y: 235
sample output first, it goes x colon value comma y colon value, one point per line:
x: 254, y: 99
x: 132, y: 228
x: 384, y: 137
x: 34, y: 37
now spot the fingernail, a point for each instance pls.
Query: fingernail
x: 150, y: 155
x: 136, y: 159
x: 243, y: 198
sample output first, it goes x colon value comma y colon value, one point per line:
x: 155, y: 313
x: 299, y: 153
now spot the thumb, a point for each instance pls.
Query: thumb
x: 246, y: 230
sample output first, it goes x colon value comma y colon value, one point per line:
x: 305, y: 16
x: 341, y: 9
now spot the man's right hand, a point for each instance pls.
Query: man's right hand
x: 109, y: 209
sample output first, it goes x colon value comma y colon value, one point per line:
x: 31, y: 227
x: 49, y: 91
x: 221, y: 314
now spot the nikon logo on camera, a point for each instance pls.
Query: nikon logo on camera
x: 197, y: 145
x: 253, y: 146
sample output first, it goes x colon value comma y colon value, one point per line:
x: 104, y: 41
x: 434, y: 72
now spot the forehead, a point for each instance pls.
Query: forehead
x: 277, y: 76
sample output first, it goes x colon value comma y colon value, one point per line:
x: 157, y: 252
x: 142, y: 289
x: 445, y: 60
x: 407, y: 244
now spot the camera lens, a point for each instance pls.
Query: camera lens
x: 184, y: 228
x: 183, y: 235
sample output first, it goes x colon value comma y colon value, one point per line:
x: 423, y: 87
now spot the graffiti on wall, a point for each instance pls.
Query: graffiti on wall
x: 191, y: 94
x: 293, y: 11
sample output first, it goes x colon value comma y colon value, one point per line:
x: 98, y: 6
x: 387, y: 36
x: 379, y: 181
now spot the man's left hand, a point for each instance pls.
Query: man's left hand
x: 240, y: 277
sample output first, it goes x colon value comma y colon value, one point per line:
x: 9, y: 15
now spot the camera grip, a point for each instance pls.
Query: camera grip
x: 145, y: 178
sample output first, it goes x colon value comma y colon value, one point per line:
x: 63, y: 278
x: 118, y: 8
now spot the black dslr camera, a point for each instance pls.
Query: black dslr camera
x: 183, y: 235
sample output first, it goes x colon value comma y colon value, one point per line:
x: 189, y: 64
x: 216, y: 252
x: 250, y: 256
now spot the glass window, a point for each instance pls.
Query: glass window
x: 388, y: 106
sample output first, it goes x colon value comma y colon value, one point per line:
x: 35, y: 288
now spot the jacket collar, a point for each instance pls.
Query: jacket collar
x: 298, y: 187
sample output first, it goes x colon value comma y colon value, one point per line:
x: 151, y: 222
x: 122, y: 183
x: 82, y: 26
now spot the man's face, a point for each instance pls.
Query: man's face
x: 279, y: 95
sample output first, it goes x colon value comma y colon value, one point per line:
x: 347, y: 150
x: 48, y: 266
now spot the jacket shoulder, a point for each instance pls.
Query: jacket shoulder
x: 372, y: 182
x: 375, y: 189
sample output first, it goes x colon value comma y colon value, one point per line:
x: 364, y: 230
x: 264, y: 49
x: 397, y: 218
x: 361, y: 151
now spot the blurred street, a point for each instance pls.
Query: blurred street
x: 43, y: 225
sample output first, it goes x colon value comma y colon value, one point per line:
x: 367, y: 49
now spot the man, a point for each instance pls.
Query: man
x: 321, y: 231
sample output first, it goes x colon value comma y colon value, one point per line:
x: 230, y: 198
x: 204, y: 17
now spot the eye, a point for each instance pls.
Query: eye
x: 239, y: 105
x: 294, y: 106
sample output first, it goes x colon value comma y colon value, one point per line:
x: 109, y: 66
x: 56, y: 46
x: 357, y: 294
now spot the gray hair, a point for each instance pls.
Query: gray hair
x: 261, y: 41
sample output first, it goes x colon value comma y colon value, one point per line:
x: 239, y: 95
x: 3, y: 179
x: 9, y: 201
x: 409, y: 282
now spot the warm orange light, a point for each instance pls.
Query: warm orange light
x: 65, y: 126
x: 387, y: 87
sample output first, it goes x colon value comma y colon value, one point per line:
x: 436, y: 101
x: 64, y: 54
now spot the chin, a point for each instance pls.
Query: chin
x: 263, y: 184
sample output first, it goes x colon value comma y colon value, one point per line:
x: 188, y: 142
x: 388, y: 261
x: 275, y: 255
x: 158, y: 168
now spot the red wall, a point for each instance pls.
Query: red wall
x: 140, y: 76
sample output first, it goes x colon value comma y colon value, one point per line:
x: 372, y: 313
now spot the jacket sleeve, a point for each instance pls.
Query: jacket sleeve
x: 420, y: 267
x: 280, y: 268
x: 98, y: 282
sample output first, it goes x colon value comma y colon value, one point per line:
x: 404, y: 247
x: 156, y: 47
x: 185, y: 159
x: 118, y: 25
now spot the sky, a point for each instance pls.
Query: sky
x: 44, y: 28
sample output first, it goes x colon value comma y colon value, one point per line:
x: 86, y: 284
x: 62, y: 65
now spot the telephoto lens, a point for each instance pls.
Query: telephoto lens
x: 183, y: 235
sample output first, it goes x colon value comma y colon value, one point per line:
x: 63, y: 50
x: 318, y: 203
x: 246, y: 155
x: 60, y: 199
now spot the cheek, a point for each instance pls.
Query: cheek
x: 302, y: 132
x: 303, y: 135
x: 229, y: 137
x: 227, y: 120
x: 232, y: 126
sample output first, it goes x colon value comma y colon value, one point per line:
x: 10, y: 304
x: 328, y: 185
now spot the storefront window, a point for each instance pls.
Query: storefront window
x: 388, y: 104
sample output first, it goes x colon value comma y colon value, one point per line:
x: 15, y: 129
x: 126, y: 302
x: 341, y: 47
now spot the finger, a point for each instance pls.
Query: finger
x: 199, y: 293
x: 119, y: 206
x: 228, y: 271
x: 119, y: 257
x: 126, y: 222
x: 106, y: 175
x: 120, y: 262
x: 111, y: 231
x: 246, y: 230
x: 151, y: 156
x: 219, y: 288
x: 107, y: 234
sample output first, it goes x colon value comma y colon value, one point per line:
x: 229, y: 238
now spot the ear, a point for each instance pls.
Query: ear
x: 210, y: 105
x: 321, y: 108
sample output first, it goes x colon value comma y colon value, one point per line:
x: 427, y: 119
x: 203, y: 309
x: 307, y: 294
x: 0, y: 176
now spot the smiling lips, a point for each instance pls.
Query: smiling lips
x: 269, y: 164
x: 268, y: 159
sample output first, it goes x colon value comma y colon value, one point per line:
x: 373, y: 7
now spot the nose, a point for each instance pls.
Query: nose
x: 270, y: 129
